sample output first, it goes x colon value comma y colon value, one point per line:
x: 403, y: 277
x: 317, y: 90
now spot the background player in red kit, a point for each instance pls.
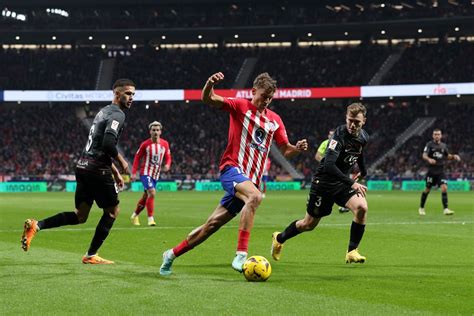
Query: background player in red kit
x: 151, y: 153
x: 265, y: 177
x: 252, y: 127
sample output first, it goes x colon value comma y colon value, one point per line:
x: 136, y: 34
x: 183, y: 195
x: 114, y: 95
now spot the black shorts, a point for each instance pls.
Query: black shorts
x: 435, y: 179
x: 94, y: 187
x: 322, y: 197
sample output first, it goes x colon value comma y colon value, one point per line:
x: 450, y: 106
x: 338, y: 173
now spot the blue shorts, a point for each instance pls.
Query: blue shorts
x: 230, y: 177
x: 148, y: 182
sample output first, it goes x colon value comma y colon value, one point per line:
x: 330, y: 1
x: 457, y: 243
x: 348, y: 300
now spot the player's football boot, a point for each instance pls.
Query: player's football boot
x: 135, y: 220
x: 168, y: 258
x: 276, y: 247
x: 354, y: 256
x: 447, y: 211
x: 239, y: 260
x: 95, y: 259
x: 151, y: 222
x: 29, y: 230
x: 421, y: 211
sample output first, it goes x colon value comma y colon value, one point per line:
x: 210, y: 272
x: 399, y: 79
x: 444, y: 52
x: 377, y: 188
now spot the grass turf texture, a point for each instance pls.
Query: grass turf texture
x: 415, y: 265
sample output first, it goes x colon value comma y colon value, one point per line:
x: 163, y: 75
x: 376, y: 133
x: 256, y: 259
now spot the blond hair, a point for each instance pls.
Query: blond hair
x: 264, y: 81
x: 356, y: 108
x: 155, y: 123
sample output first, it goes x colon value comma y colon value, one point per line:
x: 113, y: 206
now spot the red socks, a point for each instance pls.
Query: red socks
x: 140, y: 205
x: 182, y: 248
x: 243, y: 243
x: 150, y: 205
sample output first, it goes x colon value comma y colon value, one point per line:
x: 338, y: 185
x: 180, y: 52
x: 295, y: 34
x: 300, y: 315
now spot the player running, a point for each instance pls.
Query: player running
x: 97, y: 178
x: 151, y: 153
x: 434, y: 154
x: 332, y: 184
x: 252, y: 128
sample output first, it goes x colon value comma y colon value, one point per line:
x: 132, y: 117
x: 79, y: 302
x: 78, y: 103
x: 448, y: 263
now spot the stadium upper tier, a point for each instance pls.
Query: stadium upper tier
x: 187, y: 14
x: 313, y: 66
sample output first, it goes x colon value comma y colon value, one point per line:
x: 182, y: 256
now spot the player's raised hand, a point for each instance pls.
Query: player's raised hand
x: 360, y: 188
x: 302, y: 145
x: 216, y: 78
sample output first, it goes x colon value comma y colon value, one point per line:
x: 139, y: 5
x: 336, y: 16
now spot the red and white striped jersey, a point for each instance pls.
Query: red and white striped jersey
x: 152, y: 154
x: 268, y: 165
x: 250, y: 137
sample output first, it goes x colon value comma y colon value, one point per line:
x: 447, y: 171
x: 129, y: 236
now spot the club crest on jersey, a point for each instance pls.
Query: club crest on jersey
x: 270, y: 126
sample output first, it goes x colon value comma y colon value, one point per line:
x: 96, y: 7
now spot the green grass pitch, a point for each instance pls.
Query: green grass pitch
x: 415, y: 265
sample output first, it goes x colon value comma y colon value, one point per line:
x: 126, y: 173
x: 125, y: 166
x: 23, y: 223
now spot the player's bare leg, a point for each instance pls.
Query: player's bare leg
x: 252, y: 197
x: 358, y: 205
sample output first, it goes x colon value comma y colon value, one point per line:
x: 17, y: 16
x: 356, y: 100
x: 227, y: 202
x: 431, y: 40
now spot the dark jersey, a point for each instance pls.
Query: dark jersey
x: 343, y: 151
x: 438, y: 152
x: 110, y: 119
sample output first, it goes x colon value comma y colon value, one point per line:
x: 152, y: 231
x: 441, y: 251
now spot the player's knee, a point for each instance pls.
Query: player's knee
x: 361, y: 211
x: 255, y: 198
x: 151, y: 193
x: 307, y: 226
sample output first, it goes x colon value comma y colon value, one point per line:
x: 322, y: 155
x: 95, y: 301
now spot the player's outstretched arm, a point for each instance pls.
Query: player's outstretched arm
x: 288, y: 150
x: 208, y: 96
x: 454, y: 157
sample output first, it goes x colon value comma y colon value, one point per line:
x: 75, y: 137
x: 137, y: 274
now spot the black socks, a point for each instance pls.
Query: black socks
x: 60, y: 219
x: 101, y: 232
x: 289, y: 232
x: 357, y: 231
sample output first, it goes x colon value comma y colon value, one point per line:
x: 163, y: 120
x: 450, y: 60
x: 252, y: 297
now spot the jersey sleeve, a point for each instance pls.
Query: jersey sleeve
x: 138, y: 156
x: 114, y: 123
x: 233, y: 104
x: 322, y: 147
x: 427, y: 148
x: 167, y: 154
x: 281, y: 138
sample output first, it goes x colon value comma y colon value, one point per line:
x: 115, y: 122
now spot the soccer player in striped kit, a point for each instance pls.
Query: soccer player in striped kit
x: 252, y: 127
x: 151, y: 153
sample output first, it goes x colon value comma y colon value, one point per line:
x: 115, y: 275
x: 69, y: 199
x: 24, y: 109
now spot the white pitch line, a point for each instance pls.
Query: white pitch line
x: 234, y: 226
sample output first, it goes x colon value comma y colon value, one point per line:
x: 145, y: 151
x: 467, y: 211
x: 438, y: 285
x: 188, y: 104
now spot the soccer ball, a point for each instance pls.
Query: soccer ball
x: 257, y: 269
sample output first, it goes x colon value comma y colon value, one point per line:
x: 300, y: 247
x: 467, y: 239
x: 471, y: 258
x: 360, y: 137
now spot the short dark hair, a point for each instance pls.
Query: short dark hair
x: 437, y: 130
x: 123, y: 82
x: 265, y: 82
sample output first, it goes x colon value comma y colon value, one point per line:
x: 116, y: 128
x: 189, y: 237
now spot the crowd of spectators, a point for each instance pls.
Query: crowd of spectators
x: 313, y: 66
x: 40, y: 140
x: 322, y: 66
x: 46, y: 140
x: 239, y: 13
x: 45, y: 69
x: 180, y: 68
x: 434, y: 63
